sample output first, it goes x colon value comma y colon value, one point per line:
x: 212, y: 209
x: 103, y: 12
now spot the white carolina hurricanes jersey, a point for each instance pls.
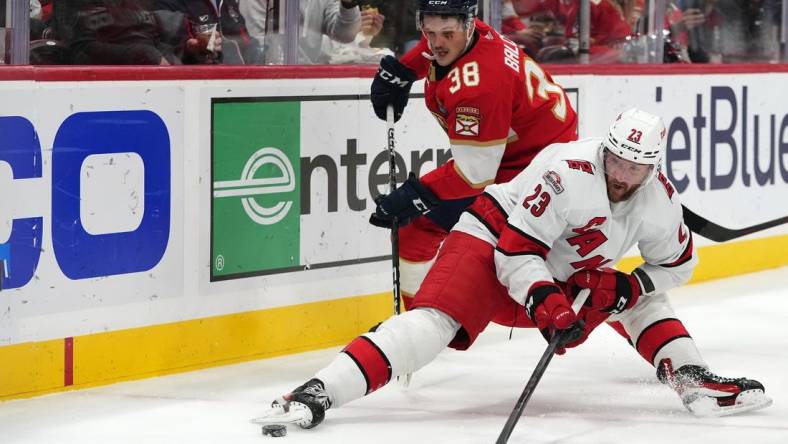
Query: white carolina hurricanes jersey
x: 554, y: 219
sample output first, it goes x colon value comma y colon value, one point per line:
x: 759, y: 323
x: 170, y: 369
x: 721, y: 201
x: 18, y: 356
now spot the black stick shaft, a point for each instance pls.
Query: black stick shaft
x: 708, y: 229
x: 536, y: 376
x: 395, y: 222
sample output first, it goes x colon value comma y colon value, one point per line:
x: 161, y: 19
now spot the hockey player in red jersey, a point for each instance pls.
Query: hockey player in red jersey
x: 498, y: 107
x: 529, y: 246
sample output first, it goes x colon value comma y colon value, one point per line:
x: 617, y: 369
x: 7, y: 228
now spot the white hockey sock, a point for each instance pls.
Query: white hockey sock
x: 343, y: 380
x: 400, y: 345
x: 657, y: 333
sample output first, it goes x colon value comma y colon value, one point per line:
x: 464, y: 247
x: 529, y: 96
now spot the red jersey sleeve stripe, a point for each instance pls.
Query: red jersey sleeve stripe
x: 490, y: 213
x: 374, y: 365
x: 514, y: 242
x: 685, y: 256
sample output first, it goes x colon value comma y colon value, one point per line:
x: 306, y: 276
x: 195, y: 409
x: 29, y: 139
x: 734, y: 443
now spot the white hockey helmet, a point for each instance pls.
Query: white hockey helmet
x: 639, y: 137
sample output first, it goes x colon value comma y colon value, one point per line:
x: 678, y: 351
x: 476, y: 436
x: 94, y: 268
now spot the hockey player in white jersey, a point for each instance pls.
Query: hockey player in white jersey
x: 526, y: 247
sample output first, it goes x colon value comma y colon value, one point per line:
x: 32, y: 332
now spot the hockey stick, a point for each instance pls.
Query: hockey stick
x: 717, y: 233
x: 395, y: 222
x: 558, y: 338
x: 403, y: 380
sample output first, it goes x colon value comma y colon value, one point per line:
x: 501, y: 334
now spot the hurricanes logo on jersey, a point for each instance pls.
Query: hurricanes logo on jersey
x: 582, y: 165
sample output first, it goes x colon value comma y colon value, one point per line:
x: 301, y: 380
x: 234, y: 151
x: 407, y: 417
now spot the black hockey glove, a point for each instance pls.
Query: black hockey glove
x: 391, y: 86
x: 406, y: 202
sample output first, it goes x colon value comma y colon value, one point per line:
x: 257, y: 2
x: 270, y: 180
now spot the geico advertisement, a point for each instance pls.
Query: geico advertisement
x: 89, y: 183
x: 727, y: 141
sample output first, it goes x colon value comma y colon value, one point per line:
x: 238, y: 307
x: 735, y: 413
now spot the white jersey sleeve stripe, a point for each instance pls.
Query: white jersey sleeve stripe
x: 478, y: 166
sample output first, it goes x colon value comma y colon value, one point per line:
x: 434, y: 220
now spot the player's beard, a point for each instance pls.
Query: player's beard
x: 618, y: 191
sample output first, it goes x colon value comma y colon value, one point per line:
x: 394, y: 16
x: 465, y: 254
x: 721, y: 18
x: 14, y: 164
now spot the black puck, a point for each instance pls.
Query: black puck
x: 275, y: 430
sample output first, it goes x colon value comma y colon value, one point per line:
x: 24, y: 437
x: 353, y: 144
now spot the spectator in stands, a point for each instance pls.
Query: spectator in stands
x: 554, y: 27
x: 35, y: 9
x: 110, y: 32
x: 697, y: 26
x: 610, y: 26
x: 340, y: 20
x: 213, y: 35
x: 527, y: 36
x: 399, y: 32
x: 360, y: 50
x: 747, y: 31
x: 38, y: 21
x: 46, y: 10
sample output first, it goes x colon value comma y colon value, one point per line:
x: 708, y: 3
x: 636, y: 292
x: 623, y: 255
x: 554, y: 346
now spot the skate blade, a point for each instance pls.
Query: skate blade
x: 278, y: 416
x: 706, y: 407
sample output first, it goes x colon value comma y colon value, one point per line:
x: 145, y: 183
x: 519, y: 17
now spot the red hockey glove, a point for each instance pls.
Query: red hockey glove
x: 550, y: 310
x: 611, y: 291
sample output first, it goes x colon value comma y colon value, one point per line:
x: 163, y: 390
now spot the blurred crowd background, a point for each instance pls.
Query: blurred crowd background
x: 275, y: 32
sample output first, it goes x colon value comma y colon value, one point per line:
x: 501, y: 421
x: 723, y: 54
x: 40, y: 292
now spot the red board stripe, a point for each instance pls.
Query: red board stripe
x: 103, y: 73
x: 68, y: 367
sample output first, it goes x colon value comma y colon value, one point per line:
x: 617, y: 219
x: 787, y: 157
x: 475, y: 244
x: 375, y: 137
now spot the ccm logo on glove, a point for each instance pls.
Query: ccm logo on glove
x: 391, y: 78
x: 406, y: 202
x: 391, y: 86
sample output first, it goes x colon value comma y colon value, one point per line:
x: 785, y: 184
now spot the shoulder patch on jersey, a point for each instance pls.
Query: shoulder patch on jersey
x: 467, y: 110
x: 582, y: 165
x: 554, y: 180
x: 467, y: 125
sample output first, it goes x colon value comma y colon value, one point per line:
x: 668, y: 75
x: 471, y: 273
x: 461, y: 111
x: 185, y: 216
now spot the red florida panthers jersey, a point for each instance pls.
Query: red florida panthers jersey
x: 498, y: 107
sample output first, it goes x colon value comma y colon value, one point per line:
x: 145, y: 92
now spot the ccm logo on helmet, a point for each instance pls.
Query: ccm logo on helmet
x: 438, y: 2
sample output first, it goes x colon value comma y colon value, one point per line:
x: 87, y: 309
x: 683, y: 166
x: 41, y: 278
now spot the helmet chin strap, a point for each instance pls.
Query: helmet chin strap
x: 469, y: 36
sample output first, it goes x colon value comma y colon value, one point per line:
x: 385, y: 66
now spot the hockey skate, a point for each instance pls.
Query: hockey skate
x: 305, y: 406
x: 706, y: 394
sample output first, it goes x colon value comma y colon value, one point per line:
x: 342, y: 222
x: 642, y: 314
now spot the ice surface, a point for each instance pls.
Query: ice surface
x: 602, y: 392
